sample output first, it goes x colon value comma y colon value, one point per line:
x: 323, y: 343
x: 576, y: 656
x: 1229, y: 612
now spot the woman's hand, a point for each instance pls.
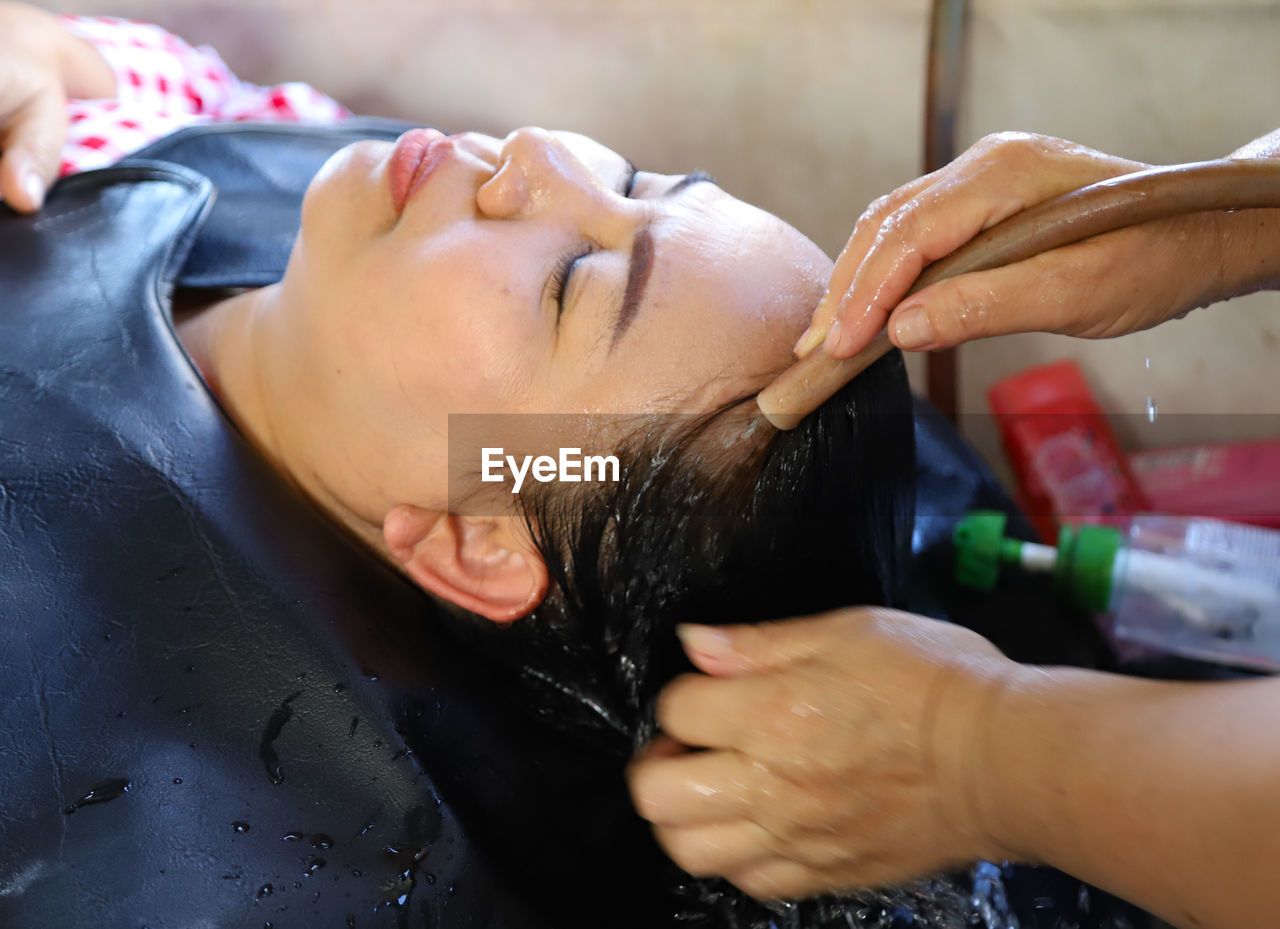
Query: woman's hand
x: 1109, y: 285
x: 843, y: 751
x: 41, y: 64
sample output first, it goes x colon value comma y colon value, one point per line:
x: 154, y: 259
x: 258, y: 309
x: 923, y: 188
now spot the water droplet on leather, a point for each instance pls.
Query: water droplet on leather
x: 101, y: 793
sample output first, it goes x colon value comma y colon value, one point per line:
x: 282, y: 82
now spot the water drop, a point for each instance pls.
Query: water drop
x: 321, y: 840
x: 101, y: 793
x: 292, y: 837
x: 1152, y: 410
x: 271, y: 732
x: 177, y: 780
x: 314, y: 865
x: 238, y: 826
x: 265, y: 891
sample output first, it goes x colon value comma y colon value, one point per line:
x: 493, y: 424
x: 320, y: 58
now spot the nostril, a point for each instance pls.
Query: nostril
x: 506, y: 194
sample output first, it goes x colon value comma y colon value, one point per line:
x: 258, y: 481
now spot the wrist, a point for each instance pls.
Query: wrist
x: 969, y: 699
x: 1013, y: 764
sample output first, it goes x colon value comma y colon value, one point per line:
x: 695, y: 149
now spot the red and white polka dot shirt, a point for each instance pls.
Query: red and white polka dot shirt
x: 163, y: 84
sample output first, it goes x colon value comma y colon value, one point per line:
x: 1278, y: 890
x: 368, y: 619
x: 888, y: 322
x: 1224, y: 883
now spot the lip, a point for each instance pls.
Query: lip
x: 416, y: 155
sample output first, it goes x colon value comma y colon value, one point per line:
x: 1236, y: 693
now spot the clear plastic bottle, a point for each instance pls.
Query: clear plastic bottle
x: 1189, y: 585
x: 1200, y: 587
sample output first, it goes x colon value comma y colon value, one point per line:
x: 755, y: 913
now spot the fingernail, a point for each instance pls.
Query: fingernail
x: 704, y: 640
x: 808, y: 341
x: 34, y: 188
x: 832, y: 341
x: 911, y: 328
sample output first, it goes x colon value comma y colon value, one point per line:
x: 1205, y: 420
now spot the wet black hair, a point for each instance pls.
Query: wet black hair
x: 722, y: 519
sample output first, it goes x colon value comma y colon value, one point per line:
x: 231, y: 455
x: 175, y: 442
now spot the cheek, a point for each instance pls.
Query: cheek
x: 347, y: 202
x: 453, y: 331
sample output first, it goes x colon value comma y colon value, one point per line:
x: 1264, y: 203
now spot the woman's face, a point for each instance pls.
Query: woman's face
x: 677, y: 297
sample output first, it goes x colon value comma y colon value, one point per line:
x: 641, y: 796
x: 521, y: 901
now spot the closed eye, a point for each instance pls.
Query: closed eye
x: 560, y: 278
x: 559, y: 284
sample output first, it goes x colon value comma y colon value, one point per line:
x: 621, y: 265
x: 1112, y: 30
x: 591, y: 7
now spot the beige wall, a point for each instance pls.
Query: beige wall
x: 811, y: 108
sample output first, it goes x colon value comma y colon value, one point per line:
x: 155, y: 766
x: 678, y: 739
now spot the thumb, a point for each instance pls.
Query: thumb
x: 1000, y: 301
x: 734, y: 651
x: 32, y: 148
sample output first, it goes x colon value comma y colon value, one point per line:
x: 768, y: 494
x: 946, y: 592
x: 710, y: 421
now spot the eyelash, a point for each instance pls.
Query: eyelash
x: 560, y: 277
x: 564, y: 266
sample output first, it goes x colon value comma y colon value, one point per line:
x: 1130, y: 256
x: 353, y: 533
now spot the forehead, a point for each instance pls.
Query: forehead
x: 731, y: 289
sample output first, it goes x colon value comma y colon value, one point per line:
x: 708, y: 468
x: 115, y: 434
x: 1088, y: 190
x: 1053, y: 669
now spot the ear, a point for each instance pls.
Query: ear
x: 487, y: 565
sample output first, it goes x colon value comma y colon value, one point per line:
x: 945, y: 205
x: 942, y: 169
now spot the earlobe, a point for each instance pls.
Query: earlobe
x: 487, y: 565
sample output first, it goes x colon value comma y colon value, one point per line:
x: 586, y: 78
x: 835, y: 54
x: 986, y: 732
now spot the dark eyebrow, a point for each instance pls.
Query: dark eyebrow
x: 641, y: 262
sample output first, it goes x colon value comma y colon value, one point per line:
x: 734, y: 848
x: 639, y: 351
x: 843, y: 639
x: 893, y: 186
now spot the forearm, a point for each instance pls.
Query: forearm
x: 1167, y: 794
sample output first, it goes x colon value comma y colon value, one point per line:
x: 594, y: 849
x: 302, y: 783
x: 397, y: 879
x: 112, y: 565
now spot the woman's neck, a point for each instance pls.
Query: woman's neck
x: 219, y: 339
x: 228, y: 341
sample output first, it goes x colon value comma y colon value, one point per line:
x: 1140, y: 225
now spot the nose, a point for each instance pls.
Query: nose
x: 538, y: 175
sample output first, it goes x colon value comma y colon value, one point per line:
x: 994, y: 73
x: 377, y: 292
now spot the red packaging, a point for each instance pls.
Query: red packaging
x: 1063, y: 453
x: 1231, y: 480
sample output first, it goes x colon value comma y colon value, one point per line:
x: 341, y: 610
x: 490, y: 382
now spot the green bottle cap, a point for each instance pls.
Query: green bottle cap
x: 1085, y: 565
x: 981, y: 548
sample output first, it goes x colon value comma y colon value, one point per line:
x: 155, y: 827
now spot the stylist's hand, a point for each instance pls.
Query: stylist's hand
x: 1121, y: 282
x: 40, y: 65
x: 842, y: 751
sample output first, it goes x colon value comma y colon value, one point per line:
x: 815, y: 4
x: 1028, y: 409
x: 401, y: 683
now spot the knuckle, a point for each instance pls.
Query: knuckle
x: 1010, y: 144
x: 902, y: 225
x: 821, y: 853
x: 961, y: 313
x: 878, y: 209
